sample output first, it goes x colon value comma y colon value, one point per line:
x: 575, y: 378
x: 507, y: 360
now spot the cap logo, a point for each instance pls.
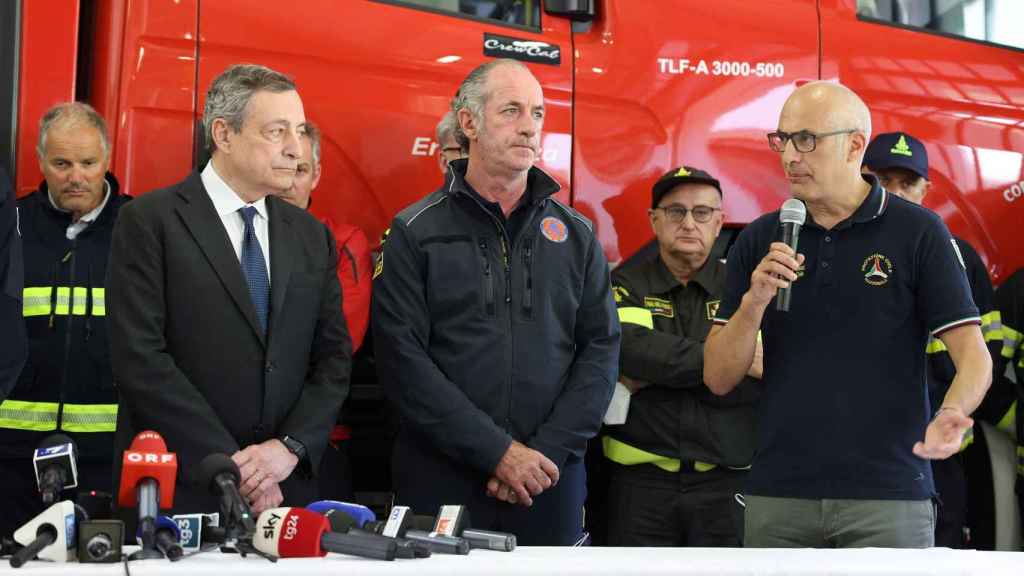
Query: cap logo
x: 683, y: 172
x: 901, y: 147
x: 877, y: 269
x: 554, y: 229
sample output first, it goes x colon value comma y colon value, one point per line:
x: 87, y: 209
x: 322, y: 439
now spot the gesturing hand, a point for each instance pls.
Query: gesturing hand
x: 944, y: 434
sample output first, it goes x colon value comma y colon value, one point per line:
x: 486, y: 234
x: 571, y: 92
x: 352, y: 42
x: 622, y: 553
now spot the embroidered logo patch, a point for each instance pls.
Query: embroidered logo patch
x: 877, y: 269
x: 659, y: 307
x: 712, y: 308
x: 554, y: 229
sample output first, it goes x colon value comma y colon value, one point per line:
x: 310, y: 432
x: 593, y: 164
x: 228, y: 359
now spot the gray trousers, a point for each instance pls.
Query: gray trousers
x: 802, y: 523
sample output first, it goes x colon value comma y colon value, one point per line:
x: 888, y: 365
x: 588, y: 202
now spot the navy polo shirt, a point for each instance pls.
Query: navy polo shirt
x: 845, y: 395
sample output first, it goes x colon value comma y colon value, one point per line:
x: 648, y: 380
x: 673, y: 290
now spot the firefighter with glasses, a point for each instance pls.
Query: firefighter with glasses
x: 680, y: 457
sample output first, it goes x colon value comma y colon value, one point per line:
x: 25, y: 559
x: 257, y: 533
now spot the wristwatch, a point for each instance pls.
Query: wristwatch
x: 294, y: 446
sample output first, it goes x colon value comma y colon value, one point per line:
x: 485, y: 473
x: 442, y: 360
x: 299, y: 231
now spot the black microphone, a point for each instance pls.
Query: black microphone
x: 791, y: 217
x: 402, y: 523
x: 221, y: 475
x: 55, y: 464
x: 100, y: 541
x: 343, y: 523
x: 166, y: 539
x: 453, y: 520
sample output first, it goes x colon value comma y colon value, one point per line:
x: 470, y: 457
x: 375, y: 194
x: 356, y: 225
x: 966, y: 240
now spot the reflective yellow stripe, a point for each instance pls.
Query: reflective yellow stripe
x: 622, y: 453
x: 992, y: 326
x: 89, y: 418
x: 34, y: 416
x: 968, y: 439
x: 35, y: 301
x: 935, y: 345
x: 1011, y: 340
x: 638, y: 316
x: 1008, y: 423
x: 99, y: 301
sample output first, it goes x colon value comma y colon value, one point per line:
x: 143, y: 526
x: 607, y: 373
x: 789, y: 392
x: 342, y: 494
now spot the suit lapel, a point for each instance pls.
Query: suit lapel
x: 284, y: 253
x: 207, y: 229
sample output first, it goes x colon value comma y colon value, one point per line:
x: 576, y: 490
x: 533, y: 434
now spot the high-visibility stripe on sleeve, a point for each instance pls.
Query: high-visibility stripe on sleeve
x: 1012, y: 340
x: 32, y: 416
x: 636, y: 315
x: 992, y: 326
x: 968, y: 439
x: 1008, y: 423
x: 89, y: 418
x: 622, y: 453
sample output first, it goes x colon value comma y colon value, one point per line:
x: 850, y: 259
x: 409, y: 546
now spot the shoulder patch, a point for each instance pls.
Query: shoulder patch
x: 659, y: 307
x: 619, y: 292
x: 711, y: 307
x: 554, y: 229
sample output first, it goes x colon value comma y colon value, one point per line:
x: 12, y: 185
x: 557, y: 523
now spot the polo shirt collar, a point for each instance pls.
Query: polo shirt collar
x: 872, y: 207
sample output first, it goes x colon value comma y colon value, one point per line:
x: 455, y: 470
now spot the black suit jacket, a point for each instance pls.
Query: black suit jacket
x: 188, y: 357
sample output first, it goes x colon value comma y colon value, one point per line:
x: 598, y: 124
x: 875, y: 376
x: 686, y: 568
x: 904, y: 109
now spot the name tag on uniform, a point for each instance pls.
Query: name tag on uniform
x: 659, y: 307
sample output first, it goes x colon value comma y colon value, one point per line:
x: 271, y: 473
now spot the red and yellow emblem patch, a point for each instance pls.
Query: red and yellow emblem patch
x: 554, y: 229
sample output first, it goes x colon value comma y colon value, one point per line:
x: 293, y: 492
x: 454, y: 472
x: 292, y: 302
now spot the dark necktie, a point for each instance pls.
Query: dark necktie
x: 254, y: 266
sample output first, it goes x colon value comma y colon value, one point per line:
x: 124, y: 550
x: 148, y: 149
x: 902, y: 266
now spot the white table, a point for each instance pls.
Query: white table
x: 586, y: 561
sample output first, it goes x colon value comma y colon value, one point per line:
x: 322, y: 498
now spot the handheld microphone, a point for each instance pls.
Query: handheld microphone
x: 343, y: 523
x: 50, y: 535
x: 402, y: 523
x: 359, y: 513
x: 148, y: 474
x: 55, y: 462
x: 453, y: 520
x: 221, y: 475
x: 99, y: 541
x: 300, y: 533
x: 166, y: 538
x: 791, y: 217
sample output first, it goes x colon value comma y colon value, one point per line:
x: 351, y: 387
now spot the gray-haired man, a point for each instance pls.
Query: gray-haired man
x: 225, y: 309
x: 494, y: 326
x: 448, y: 148
x: 66, y: 385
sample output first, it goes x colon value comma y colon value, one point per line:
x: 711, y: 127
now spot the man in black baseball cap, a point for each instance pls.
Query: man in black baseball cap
x: 901, y: 163
x: 680, y: 457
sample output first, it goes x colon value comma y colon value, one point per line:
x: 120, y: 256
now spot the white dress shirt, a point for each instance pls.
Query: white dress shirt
x: 75, y: 228
x: 227, y: 204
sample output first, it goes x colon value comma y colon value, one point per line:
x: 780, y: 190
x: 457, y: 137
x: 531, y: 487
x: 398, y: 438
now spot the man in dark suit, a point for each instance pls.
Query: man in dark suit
x: 224, y: 306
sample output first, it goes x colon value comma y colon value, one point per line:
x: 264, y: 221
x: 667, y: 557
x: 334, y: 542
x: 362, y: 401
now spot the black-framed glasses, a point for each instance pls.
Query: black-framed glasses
x: 804, y: 141
x: 676, y: 214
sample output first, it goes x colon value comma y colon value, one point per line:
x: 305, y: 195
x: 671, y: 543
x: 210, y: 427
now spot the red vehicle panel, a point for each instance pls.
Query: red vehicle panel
x: 964, y: 100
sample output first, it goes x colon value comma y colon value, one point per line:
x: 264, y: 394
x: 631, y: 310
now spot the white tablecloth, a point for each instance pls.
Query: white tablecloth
x: 588, y: 561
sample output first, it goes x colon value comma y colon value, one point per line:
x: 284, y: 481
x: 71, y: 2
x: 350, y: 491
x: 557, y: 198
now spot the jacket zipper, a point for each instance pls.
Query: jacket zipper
x: 527, y: 280
x: 70, y: 258
x: 488, y: 280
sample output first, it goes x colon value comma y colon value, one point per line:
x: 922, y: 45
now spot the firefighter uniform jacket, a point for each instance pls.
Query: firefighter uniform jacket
x: 483, y: 337
x: 999, y: 400
x: 676, y: 421
x: 1010, y: 302
x: 66, y: 384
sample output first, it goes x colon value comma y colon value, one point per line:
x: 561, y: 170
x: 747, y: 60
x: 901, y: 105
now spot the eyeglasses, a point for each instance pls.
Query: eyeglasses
x: 676, y: 214
x: 804, y: 140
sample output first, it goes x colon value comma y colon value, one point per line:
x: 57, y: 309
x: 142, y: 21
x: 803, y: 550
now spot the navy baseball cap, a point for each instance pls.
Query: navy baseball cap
x: 897, y: 150
x: 681, y: 175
